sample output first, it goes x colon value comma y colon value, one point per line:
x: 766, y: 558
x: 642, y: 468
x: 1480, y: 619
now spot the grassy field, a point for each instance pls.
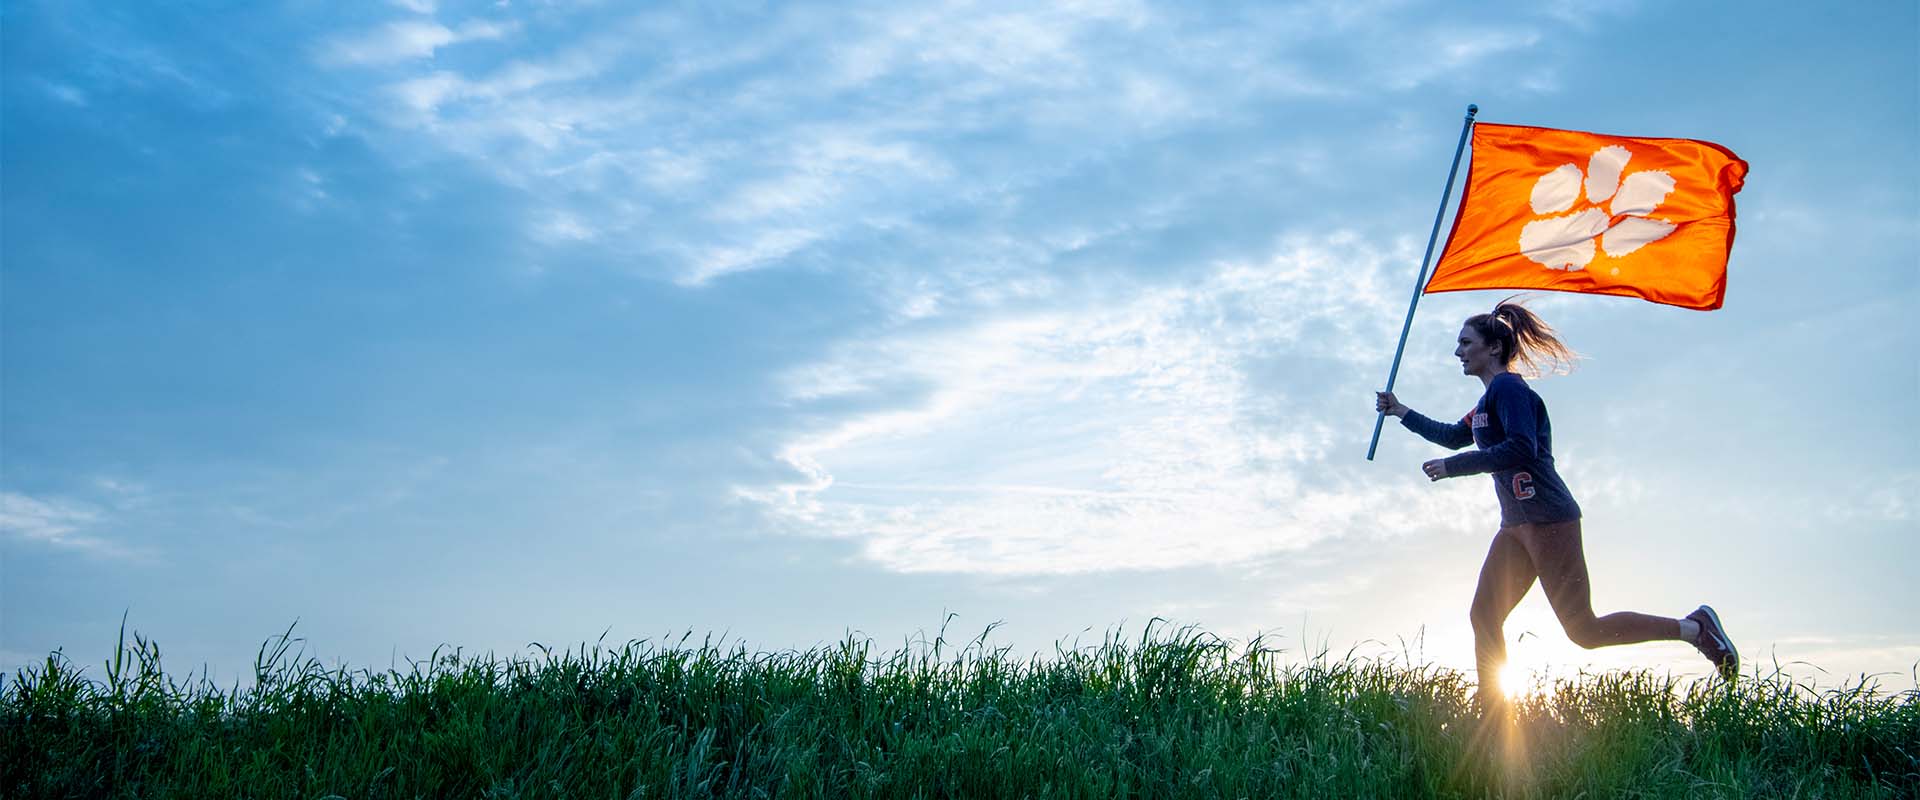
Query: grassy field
x: 1173, y: 712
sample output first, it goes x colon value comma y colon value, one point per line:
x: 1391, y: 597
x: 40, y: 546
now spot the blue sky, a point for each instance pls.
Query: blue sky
x: 492, y: 323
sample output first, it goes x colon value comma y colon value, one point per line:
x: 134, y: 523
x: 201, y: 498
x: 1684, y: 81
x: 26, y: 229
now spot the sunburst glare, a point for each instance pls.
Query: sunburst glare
x: 1514, y: 678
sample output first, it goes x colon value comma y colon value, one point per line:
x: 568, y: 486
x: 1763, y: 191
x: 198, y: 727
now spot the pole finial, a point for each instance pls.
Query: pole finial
x: 1472, y: 109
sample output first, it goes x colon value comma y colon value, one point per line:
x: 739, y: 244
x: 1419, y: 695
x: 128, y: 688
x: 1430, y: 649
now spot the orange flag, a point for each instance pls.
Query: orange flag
x: 1568, y: 211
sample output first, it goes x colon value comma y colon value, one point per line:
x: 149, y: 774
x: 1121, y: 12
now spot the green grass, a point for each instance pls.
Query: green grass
x: 1174, y: 712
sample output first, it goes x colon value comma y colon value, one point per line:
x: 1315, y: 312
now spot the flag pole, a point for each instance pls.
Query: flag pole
x: 1421, y: 282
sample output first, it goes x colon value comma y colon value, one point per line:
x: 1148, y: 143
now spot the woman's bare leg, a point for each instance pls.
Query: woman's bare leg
x: 1505, y: 577
x: 1559, y: 557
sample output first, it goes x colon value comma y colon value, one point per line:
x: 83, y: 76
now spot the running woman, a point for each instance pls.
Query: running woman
x: 1539, y: 533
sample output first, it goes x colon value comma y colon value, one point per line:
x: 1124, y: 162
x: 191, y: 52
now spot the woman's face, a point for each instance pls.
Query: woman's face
x: 1477, y: 357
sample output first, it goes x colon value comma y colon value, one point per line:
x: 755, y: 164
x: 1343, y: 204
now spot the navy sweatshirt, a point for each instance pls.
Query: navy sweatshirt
x: 1509, y: 425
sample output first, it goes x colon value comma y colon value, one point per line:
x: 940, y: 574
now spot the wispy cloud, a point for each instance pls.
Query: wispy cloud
x: 55, y: 522
x: 113, y: 57
x: 1889, y: 499
x: 406, y: 40
x: 65, y: 93
x: 1586, y: 14
x: 1457, y: 49
x: 695, y: 147
x: 42, y: 520
x: 1144, y: 435
x: 1005, y: 45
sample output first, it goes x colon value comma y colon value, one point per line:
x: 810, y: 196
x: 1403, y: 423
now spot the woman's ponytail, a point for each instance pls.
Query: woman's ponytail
x: 1524, y: 339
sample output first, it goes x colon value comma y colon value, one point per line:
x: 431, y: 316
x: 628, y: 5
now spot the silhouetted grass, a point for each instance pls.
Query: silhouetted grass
x: 1172, y: 713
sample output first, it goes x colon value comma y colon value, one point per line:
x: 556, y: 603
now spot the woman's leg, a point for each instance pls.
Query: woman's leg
x: 1557, y: 554
x: 1506, y: 577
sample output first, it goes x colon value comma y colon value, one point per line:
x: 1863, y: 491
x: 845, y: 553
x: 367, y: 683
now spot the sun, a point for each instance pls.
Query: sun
x: 1513, y: 680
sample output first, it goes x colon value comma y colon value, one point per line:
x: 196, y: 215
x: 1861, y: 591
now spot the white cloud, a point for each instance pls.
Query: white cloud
x: 823, y: 165
x: 715, y: 136
x: 757, y: 250
x: 66, y: 93
x: 425, y: 94
x: 42, y: 520
x: 563, y: 227
x: 1022, y: 44
x: 309, y: 189
x: 1447, y: 51
x: 519, y: 101
x: 54, y: 522
x: 407, y: 40
x: 1584, y: 15
x: 1888, y: 499
x: 120, y: 59
x: 1098, y: 438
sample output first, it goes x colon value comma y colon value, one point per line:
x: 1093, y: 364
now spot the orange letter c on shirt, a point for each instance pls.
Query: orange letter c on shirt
x: 1522, y: 486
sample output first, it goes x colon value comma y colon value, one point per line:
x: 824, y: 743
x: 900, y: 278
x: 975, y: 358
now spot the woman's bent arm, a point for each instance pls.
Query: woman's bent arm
x: 1514, y: 406
x: 1452, y: 437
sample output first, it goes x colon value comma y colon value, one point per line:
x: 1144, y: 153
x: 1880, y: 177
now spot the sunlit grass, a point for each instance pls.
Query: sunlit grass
x: 1171, y: 712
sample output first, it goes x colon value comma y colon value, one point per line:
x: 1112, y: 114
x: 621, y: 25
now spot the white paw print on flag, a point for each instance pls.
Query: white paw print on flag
x: 1567, y: 241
